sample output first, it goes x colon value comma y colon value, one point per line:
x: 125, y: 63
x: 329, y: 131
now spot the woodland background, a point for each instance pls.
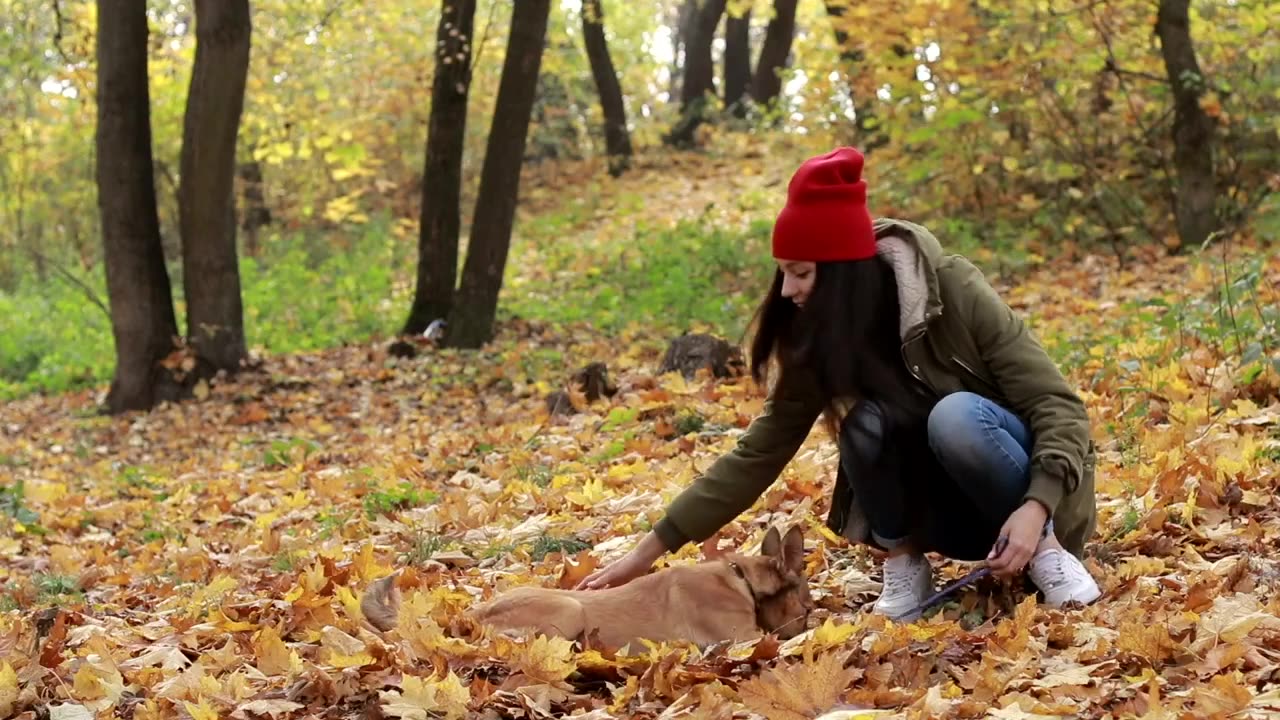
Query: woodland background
x: 1018, y: 131
x: 231, y: 226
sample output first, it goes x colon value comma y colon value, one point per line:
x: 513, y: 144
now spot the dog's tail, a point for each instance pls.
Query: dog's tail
x: 381, y: 602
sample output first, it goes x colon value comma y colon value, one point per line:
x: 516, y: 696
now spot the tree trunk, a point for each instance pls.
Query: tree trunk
x: 737, y: 61
x: 617, y: 140
x: 699, y: 69
x: 767, y: 85
x: 441, y: 222
x: 850, y: 58
x: 256, y: 213
x: 699, y: 74
x: 686, y: 20
x: 206, y: 191
x: 1192, y: 127
x: 470, y: 323
x: 142, y: 319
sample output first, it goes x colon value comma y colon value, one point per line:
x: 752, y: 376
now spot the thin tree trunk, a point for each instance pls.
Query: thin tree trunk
x: 142, y: 318
x: 737, y: 61
x: 699, y: 74
x: 470, y: 323
x: 686, y: 20
x: 1192, y: 127
x: 778, y: 36
x: 256, y: 213
x: 617, y: 140
x: 206, y: 191
x: 699, y: 69
x: 441, y: 222
x: 850, y: 58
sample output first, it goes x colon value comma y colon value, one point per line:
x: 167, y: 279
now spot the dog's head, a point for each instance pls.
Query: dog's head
x: 779, y: 585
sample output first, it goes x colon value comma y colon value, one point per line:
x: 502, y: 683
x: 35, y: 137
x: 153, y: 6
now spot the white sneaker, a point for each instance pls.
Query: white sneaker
x: 1062, y: 578
x: 908, y: 581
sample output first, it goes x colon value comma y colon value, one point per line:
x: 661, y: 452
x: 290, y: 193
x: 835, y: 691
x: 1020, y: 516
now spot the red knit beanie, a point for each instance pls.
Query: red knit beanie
x: 826, y: 216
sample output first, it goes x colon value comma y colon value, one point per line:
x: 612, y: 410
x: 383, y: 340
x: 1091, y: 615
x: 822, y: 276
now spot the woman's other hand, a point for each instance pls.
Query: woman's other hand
x: 1022, y: 533
x: 635, y: 563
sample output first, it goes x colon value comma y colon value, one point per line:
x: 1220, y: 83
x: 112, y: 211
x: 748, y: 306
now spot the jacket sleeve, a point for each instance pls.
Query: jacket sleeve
x: 1035, y: 388
x: 737, y: 479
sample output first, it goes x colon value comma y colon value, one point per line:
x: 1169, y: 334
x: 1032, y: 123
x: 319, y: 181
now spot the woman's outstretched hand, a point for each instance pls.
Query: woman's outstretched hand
x: 1021, y: 532
x: 626, y: 568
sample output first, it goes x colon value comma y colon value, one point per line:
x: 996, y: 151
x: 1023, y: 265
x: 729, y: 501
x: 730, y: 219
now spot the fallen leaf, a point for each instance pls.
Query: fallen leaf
x: 274, y: 656
x: 270, y: 706
x: 202, y: 710
x: 544, y: 659
x: 798, y: 691
x: 573, y: 570
x: 420, y: 698
x: 340, y: 642
x: 1223, y: 696
x: 71, y: 711
x: 8, y: 689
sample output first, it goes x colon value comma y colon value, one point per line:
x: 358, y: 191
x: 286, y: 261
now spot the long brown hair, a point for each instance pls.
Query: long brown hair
x: 847, y: 336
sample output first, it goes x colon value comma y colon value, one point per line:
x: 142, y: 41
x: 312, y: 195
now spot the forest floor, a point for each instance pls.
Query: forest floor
x: 204, y: 560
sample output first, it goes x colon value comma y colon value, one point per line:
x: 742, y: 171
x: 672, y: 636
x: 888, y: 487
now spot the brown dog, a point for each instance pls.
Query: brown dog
x: 734, y: 598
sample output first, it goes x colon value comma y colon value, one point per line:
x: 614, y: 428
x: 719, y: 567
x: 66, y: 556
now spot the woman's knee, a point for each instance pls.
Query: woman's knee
x: 954, y: 414
x: 863, y: 430
x: 970, y: 437
x: 955, y: 428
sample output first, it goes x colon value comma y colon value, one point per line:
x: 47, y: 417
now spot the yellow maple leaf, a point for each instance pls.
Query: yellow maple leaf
x: 366, y: 566
x: 274, y: 656
x: 212, y: 592
x: 420, y: 698
x: 1189, y: 507
x: 8, y: 689
x: 830, y: 634
x: 548, y: 660
x: 201, y: 710
x: 592, y: 493
x: 86, y: 684
x: 1224, y: 696
x: 226, y: 624
x: 344, y: 651
x: 340, y: 661
x: 350, y: 603
x: 623, y: 695
x: 98, y: 682
x: 264, y: 520
x: 799, y: 691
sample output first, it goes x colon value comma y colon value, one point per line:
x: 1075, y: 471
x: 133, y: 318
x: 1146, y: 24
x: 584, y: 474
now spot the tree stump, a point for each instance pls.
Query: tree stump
x: 592, y: 381
x: 688, y: 354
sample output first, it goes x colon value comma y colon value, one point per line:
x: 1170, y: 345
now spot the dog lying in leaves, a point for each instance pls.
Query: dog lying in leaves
x: 735, y: 598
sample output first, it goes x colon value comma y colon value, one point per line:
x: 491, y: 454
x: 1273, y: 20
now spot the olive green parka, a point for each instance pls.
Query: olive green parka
x: 957, y: 335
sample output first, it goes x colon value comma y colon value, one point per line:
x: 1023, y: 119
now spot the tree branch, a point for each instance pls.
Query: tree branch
x: 479, y: 47
x: 1103, y: 31
x: 88, y: 291
x: 57, y: 32
x: 1111, y: 67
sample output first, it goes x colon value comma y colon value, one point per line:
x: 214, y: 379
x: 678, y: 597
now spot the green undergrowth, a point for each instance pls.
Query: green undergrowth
x: 613, y: 268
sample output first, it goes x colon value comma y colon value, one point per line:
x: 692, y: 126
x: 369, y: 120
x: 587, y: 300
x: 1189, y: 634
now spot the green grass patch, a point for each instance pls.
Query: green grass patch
x: 665, y: 278
x: 304, y: 293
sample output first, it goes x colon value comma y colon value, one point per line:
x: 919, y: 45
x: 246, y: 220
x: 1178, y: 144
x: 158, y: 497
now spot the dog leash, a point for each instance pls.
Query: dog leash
x: 972, y: 577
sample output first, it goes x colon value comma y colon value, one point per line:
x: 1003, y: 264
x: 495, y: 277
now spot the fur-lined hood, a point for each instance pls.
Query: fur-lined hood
x: 914, y: 254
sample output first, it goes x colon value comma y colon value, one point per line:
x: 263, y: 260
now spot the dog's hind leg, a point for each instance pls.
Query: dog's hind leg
x: 550, y: 615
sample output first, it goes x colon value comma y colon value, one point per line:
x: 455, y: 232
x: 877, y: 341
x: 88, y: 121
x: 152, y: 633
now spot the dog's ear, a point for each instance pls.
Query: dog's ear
x: 793, y: 550
x: 772, y: 545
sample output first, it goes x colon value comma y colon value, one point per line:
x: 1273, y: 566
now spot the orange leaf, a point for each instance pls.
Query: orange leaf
x: 573, y: 570
x: 799, y: 691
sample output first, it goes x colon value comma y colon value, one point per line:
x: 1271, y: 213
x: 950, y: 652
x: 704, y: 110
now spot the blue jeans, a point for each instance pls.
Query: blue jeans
x: 947, y: 487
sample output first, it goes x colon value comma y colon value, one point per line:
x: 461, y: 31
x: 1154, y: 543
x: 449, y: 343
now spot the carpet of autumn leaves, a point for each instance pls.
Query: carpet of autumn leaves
x: 205, y: 560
